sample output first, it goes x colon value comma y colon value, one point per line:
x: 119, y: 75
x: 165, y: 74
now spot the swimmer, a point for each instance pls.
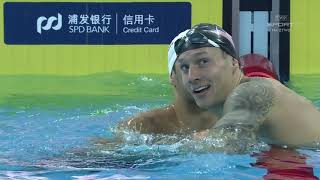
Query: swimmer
x: 213, y: 94
x: 209, y: 68
x: 183, y: 116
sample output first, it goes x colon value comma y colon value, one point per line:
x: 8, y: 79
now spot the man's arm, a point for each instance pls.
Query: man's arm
x: 248, y: 105
x: 244, y: 112
x: 160, y: 120
x: 145, y: 122
x: 142, y: 122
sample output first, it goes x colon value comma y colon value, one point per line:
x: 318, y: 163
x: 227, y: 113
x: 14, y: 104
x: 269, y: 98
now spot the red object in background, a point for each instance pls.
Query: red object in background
x: 283, y: 164
x: 255, y: 65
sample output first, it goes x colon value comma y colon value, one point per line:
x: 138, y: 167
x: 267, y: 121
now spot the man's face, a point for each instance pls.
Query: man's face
x: 176, y: 79
x: 207, y: 74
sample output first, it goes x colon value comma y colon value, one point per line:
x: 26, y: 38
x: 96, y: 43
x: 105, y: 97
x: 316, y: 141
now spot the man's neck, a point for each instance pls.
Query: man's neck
x: 217, y: 110
x: 191, y: 117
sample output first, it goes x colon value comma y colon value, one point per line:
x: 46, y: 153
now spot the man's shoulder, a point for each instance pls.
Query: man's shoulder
x: 256, y: 86
x: 255, y: 94
x: 158, y: 113
x: 153, y: 121
x: 257, y: 80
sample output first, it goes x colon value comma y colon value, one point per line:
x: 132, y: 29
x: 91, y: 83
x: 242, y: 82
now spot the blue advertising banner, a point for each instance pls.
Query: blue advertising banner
x: 94, y: 23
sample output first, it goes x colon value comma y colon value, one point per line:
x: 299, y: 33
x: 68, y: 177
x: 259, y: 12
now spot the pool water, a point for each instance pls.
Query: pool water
x: 51, y: 128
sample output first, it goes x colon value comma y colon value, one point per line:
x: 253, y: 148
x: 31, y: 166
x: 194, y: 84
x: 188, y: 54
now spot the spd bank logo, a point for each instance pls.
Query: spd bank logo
x: 98, y: 23
x: 45, y: 24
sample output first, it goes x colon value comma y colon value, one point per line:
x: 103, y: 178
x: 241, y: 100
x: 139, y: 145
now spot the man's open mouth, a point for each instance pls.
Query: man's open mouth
x: 201, y: 89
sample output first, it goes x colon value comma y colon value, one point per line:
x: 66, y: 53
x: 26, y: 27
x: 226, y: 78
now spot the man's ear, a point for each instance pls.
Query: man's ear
x: 173, y: 79
x: 235, y: 64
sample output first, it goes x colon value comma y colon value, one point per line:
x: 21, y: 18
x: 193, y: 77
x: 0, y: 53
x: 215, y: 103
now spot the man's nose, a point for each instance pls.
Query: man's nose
x: 194, y: 74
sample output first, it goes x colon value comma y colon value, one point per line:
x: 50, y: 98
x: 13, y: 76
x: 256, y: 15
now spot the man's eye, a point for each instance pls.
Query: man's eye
x: 204, y: 61
x: 184, y: 68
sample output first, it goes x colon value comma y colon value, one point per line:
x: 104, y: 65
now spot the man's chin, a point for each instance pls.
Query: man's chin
x: 202, y: 105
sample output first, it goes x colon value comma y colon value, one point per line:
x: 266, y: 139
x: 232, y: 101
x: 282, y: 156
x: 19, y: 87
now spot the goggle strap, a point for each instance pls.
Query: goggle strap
x: 213, y: 43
